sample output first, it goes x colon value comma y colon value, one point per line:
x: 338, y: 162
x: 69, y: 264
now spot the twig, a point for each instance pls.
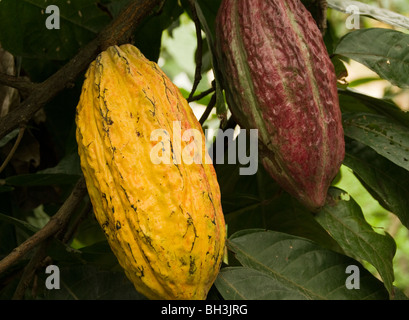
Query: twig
x: 13, y: 150
x: 119, y: 31
x: 203, y: 94
x: 208, y: 110
x: 24, y: 86
x: 198, y: 56
x: 56, y: 223
x: 29, y: 271
x: 229, y: 124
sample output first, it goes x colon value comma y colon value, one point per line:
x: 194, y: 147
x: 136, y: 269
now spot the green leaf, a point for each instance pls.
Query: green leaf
x: 7, y: 138
x: 25, y: 226
x: 350, y: 104
x: 209, y: 10
x: 399, y: 295
x: 343, y: 219
x: 282, y: 213
x: 384, y: 51
x: 67, y: 171
x: 241, y: 283
x: 69, y: 165
x: 80, y: 21
x: 377, y: 13
x: 352, y: 101
x: 6, y: 189
x: 386, y: 136
x: 115, y: 6
x: 99, y: 254
x: 148, y: 36
x: 387, y: 182
x: 41, y: 179
x: 361, y: 81
x: 292, y: 268
x: 60, y: 119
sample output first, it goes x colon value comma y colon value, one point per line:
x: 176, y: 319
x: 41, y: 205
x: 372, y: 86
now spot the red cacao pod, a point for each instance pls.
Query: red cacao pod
x: 279, y: 79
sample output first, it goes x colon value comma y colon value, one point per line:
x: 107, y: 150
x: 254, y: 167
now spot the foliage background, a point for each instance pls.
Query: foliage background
x: 45, y: 167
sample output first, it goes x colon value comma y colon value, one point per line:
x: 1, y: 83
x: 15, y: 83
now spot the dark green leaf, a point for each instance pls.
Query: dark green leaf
x: 115, y: 7
x: 343, y: 219
x: 352, y: 101
x: 100, y: 254
x: 387, y: 182
x: 209, y: 9
x: 66, y: 172
x: 7, y: 138
x: 399, y: 295
x: 350, y: 104
x: 29, y: 37
x: 241, y: 283
x: 60, y: 120
x: 293, y: 268
x: 6, y: 189
x: 386, y: 136
x: 377, y: 13
x: 41, y: 179
x: 69, y: 165
x: 331, y: 37
x: 25, y: 226
x: 148, y: 36
x: 384, y: 51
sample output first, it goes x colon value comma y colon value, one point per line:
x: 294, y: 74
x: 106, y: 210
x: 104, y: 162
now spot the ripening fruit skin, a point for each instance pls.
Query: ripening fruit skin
x: 279, y: 79
x: 164, y: 222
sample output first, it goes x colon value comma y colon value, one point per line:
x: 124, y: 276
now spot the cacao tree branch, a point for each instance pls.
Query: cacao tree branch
x: 208, y: 110
x: 118, y: 32
x: 13, y: 150
x: 198, y: 56
x: 56, y: 223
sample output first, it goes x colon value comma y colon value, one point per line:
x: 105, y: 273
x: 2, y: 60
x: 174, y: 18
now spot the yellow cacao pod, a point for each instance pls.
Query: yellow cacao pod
x: 164, y: 220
